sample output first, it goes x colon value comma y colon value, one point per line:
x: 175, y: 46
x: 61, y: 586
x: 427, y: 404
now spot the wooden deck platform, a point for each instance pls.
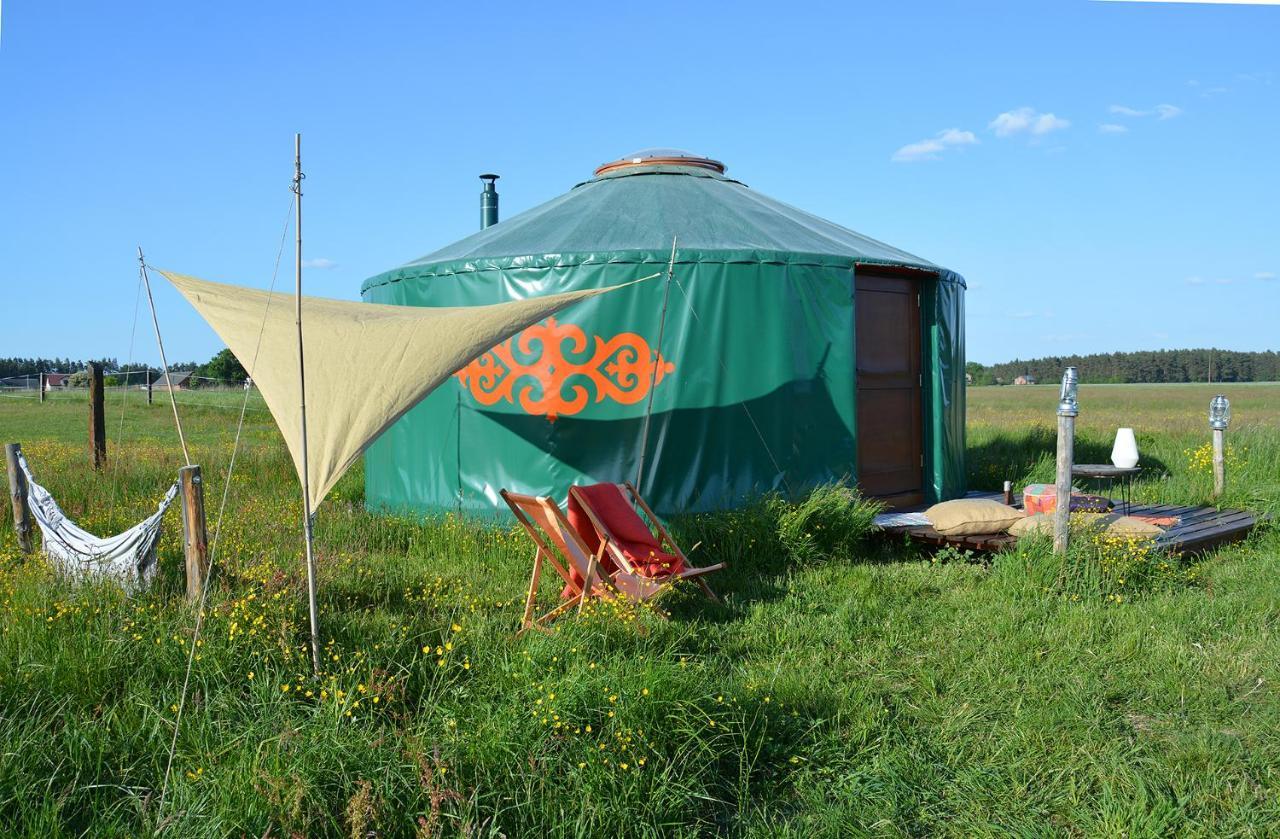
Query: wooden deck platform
x: 1199, y: 529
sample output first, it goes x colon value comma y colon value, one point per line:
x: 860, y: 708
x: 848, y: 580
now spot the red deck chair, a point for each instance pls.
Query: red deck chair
x: 555, y: 537
x: 605, y: 516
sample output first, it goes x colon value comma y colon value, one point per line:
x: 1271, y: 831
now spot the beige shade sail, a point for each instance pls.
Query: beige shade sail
x: 366, y: 363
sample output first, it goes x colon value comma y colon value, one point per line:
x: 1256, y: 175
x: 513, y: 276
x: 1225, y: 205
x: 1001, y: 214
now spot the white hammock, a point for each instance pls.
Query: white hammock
x: 129, y: 558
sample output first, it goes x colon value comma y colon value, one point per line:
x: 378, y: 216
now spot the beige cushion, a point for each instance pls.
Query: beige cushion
x: 971, y: 517
x: 1042, y: 523
x: 1129, y: 526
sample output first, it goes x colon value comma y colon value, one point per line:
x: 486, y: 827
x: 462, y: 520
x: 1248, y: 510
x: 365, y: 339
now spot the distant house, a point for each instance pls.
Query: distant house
x: 1025, y: 380
x: 181, y: 380
x: 52, y: 380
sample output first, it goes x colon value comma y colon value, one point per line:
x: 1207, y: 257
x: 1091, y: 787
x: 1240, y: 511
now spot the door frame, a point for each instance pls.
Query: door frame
x: 920, y: 276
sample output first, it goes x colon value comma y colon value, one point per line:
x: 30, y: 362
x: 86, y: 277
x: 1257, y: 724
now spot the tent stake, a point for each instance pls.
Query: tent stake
x: 302, y: 393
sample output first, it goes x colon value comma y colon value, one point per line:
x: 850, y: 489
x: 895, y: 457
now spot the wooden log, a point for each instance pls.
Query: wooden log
x: 195, y: 535
x: 1008, y: 493
x: 97, y: 418
x: 1219, y: 462
x: 1066, y: 458
x: 22, y: 521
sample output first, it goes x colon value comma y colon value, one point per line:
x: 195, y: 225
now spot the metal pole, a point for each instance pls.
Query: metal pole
x: 302, y: 395
x: 1219, y: 462
x: 164, y: 362
x: 1067, y: 411
x: 657, y: 359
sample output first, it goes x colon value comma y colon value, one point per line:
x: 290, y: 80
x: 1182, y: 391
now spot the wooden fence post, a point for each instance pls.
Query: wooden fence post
x: 18, y: 496
x: 42, y: 388
x: 1219, y: 462
x: 97, y: 418
x: 1067, y: 411
x: 196, y: 539
x: 147, y: 377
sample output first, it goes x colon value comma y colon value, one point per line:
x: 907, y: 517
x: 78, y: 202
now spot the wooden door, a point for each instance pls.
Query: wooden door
x: 890, y: 421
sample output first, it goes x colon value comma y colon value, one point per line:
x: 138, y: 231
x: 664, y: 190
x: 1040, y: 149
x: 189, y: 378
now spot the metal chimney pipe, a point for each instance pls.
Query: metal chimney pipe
x: 488, y: 202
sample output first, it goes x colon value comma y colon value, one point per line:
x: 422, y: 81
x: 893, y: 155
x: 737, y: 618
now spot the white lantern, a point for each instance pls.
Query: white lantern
x: 1219, y: 413
x: 1124, y: 453
x: 1067, y: 404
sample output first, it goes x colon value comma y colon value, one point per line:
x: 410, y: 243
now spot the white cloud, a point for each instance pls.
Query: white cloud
x: 1022, y: 315
x: 1112, y: 128
x: 1026, y: 120
x: 1195, y: 280
x: 1265, y: 276
x: 319, y: 263
x: 931, y: 148
x: 1215, y: 281
x: 1162, y: 111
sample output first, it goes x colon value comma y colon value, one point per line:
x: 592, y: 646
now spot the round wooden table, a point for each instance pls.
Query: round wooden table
x: 1109, y: 473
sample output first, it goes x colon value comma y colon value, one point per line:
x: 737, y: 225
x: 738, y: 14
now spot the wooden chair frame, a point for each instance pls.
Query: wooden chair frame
x: 610, y: 543
x: 593, y: 581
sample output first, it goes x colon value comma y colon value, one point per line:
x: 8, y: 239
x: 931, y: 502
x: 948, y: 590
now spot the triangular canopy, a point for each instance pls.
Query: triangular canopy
x: 366, y: 363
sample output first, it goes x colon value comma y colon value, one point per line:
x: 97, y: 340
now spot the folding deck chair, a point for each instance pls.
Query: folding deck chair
x: 640, y: 548
x: 554, y: 536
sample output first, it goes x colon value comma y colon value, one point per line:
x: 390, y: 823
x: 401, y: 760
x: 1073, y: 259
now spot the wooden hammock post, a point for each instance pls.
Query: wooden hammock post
x: 18, y: 496
x: 195, y: 534
x: 147, y: 378
x: 97, y: 417
x: 1068, y: 409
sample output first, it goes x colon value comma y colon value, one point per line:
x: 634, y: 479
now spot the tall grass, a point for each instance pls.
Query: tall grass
x: 869, y: 693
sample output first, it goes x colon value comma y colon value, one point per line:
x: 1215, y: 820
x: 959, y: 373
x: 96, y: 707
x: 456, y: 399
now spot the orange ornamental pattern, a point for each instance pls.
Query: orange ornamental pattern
x: 553, y: 381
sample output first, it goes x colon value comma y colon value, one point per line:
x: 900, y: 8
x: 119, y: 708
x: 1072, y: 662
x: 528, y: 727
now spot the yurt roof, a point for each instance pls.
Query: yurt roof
x: 635, y: 205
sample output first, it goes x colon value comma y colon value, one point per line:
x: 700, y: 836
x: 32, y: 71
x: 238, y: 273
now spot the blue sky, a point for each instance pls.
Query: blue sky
x: 1104, y: 174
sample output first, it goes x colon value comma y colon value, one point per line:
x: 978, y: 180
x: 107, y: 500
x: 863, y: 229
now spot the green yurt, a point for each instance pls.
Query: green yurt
x: 786, y: 351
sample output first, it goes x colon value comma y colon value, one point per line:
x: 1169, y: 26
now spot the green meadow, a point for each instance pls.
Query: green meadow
x: 870, y: 690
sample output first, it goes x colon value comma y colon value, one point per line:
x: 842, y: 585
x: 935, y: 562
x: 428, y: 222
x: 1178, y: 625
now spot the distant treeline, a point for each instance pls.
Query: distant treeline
x: 1153, y: 366
x: 223, y: 367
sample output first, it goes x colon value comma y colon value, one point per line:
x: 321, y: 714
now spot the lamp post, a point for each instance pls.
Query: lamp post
x: 1068, y: 409
x: 1219, y: 419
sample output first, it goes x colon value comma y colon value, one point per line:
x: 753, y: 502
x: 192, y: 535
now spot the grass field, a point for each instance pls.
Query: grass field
x: 883, y: 693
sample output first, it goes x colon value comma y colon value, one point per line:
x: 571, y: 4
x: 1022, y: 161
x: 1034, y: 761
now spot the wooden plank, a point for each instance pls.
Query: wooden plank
x: 1211, y: 539
x: 1209, y: 534
x: 1220, y: 519
x: 1235, y: 521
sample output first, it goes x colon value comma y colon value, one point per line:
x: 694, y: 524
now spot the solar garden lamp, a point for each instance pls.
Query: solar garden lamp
x: 1219, y: 419
x: 1068, y: 408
